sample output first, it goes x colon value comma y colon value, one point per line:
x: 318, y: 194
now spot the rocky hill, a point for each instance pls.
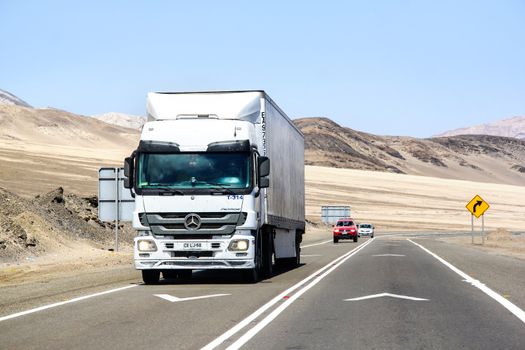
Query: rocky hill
x: 469, y: 157
x: 121, y: 119
x: 512, y: 127
x: 51, y: 222
x: 7, y: 98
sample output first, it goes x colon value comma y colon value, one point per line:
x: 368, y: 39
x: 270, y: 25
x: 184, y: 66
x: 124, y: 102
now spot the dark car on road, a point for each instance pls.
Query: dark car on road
x: 344, y: 228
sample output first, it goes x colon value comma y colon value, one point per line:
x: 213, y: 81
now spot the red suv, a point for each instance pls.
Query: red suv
x: 345, y: 228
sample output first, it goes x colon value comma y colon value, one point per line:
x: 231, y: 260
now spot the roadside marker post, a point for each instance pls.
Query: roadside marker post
x: 477, y: 207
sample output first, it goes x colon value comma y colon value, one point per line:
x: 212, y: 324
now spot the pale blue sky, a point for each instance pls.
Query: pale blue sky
x: 387, y: 67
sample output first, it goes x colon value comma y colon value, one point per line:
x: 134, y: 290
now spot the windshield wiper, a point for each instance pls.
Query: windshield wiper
x: 166, y: 190
x: 218, y: 186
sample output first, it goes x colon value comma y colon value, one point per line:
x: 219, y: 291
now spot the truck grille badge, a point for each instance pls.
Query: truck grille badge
x: 192, y: 222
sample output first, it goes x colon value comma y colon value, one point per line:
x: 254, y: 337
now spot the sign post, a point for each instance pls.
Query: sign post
x: 472, y: 227
x: 477, y: 207
x: 115, y: 203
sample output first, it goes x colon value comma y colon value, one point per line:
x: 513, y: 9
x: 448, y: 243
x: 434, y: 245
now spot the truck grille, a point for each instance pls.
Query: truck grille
x: 211, y: 224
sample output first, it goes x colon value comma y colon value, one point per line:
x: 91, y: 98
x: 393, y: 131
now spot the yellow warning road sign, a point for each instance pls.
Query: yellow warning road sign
x: 477, y: 206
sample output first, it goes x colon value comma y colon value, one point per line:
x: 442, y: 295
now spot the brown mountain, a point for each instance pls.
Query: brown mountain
x: 511, y: 127
x: 121, y: 119
x: 468, y: 157
x: 42, y: 149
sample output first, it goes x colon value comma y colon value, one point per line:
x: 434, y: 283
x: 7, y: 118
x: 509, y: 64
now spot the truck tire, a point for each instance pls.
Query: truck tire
x: 150, y: 276
x: 254, y: 275
x: 267, y: 254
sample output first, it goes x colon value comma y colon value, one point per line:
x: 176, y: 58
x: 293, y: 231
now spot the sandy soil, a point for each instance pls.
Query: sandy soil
x: 39, y: 168
x: 410, y: 202
x: 496, y: 242
x: 69, y: 261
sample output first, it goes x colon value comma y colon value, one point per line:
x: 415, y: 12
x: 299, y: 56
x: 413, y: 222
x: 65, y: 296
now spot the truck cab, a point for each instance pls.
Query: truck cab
x: 201, y: 180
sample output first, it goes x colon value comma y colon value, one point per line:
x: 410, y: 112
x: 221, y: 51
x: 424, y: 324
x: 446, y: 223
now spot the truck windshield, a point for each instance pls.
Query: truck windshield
x: 194, y: 171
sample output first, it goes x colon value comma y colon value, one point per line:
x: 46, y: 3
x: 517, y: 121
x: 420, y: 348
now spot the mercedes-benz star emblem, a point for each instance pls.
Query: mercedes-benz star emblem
x: 192, y: 222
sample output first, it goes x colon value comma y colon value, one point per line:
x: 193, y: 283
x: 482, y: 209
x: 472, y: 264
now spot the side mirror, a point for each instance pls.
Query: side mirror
x: 264, y: 166
x: 264, y: 182
x: 128, y: 172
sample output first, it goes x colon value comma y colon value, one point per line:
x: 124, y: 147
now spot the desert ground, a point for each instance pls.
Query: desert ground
x: 409, y: 202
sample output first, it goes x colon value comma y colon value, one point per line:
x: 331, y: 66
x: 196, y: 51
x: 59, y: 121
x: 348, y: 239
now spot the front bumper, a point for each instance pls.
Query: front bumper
x: 215, y: 256
x: 197, y: 264
x: 349, y: 235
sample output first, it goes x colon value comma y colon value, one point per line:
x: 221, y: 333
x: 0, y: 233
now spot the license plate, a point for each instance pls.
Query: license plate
x: 345, y: 232
x: 193, y: 246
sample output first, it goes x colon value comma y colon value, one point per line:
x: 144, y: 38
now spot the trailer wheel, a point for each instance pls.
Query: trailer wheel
x: 150, y: 276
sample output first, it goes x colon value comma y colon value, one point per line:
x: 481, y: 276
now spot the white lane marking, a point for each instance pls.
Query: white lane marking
x: 381, y: 295
x: 519, y: 313
x: 314, y: 244
x: 264, y: 322
x: 309, y: 255
x: 45, y: 307
x: 175, y: 299
x: 388, y: 255
x: 229, y: 333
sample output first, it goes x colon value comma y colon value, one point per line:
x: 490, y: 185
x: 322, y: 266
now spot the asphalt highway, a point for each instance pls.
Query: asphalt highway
x: 374, y: 294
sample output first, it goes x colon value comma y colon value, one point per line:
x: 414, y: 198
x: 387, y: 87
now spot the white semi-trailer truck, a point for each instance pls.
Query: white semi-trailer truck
x: 205, y: 197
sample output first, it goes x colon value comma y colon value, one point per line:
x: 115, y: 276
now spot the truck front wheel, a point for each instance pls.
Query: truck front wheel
x: 267, y: 254
x: 150, y: 276
x: 253, y: 275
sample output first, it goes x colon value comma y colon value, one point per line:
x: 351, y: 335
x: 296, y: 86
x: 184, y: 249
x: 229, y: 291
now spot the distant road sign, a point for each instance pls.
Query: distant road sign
x: 477, y: 206
x: 331, y: 213
x: 113, y: 199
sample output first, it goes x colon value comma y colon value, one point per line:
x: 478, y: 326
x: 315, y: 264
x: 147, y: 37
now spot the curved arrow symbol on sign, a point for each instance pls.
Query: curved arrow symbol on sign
x: 478, y: 203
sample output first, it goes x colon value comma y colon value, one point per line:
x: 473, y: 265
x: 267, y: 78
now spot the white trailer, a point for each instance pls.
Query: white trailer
x: 205, y: 197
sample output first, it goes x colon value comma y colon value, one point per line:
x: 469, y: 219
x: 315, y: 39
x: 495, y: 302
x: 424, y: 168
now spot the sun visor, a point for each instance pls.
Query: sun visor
x: 158, y: 147
x: 229, y: 146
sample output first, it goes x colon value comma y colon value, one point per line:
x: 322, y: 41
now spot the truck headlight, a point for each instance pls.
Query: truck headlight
x: 239, y: 245
x: 144, y: 245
